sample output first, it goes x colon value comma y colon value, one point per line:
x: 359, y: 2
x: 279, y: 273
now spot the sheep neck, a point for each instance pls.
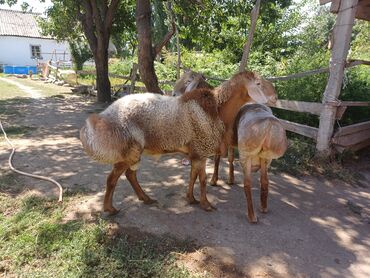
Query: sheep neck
x: 229, y: 109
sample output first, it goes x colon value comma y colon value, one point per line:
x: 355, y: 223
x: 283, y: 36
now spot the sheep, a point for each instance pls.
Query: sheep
x: 260, y: 137
x: 141, y: 124
x: 189, y: 81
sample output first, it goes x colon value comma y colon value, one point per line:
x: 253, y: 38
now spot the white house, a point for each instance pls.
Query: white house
x: 22, y: 44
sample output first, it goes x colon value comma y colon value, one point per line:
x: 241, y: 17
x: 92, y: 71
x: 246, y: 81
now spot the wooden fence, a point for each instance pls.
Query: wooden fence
x: 351, y: 137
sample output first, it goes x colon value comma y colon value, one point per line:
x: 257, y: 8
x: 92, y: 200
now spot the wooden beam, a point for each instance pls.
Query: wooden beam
x: 335, y: 4
x: 352, y: 129
x: 354, y: 147
x: 322, y: 2
x: 304, y: 130
x: 342, y: 37
x: 248, y: 44
x: 363, y: 10
x: 354, y: 103
x: 299, y: 106
x: 352, y: 138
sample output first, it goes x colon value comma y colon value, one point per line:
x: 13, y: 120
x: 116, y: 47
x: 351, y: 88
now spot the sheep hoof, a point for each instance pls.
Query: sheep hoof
x: 149, y: 201
x: 207, y: 206
x: 263, y: 210
x: 112, y: 211
x: 252, y: 219
x: 192, y: 200
x: 213, y: 183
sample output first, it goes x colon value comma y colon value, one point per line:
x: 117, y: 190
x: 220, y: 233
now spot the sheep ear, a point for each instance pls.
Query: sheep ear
x: 256, y: 93
x: 193, y: 84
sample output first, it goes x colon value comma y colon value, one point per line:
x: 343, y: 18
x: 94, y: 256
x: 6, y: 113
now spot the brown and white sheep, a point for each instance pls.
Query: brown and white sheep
x: 260, y: 137
x: 194, y: 124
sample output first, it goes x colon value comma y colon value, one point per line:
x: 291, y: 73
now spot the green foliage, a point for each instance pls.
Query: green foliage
x: 80, y: 52
x: 35, y: 241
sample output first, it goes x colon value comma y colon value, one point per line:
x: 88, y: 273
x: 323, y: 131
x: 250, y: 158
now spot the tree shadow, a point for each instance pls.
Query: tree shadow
x: 308, y: 231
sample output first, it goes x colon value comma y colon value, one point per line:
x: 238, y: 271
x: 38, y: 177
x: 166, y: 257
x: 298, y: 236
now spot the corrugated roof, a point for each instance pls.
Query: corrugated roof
x: 20, y: 24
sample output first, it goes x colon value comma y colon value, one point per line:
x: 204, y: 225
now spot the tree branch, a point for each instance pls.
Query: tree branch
x: 87, y: 25
x: 110, y: 14
x: 166, y: 39
x: 248, y: 44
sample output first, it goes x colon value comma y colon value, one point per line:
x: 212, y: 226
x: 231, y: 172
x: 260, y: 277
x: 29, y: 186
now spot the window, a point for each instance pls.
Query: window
x: 36, y: 52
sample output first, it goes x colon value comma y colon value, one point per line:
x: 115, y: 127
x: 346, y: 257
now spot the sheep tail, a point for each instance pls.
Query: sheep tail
x: 100, y: 139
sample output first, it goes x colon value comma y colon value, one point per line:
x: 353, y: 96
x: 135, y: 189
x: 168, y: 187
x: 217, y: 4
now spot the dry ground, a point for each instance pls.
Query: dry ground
x: 309, y: 231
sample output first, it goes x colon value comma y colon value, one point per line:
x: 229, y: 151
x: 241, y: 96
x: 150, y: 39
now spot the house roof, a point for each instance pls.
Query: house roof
x: 19, y: 24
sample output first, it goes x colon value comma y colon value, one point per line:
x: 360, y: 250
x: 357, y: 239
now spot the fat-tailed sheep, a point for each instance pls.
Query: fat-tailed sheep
x: 194, y: 124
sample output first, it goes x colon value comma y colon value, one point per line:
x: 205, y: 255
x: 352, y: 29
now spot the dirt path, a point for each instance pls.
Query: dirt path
x: 309, y: 231
x: 33, y: 93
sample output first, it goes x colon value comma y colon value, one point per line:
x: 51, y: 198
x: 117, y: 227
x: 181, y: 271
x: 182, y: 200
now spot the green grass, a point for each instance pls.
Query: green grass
x: 300, y: 160
x: 8, y: 91
x: 36, y: 242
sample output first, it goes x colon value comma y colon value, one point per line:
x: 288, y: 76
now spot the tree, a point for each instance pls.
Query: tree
x: 80, y: 53
x: 67, y: 19
x: 146, y: 51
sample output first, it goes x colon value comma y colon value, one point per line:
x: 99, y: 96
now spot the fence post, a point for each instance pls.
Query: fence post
x: 248, y: 44
x: 133, y: 77
x: 342, y: 36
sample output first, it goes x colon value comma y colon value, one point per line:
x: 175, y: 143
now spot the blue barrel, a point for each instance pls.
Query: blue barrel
x: 20, y: 69
x: 8, y: 69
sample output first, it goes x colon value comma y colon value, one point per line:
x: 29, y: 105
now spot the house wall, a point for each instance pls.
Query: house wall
x: 17, y: 50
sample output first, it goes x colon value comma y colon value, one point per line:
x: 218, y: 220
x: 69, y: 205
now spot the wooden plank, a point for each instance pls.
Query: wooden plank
x: 335, y: 4
x: 354, y: 103
x: 352, y: 139
x: 352, y: 129
x: 304, y: 130
x: 354, y: 147
x: 299, y: 106
x: 323, y: 2
x: 363, y: 10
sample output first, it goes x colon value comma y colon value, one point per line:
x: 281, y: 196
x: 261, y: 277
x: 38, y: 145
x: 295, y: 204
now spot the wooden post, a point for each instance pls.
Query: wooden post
x: 178, y: 54
x: 248, y: 44
x: 342, y: 37
x: 133, y: 77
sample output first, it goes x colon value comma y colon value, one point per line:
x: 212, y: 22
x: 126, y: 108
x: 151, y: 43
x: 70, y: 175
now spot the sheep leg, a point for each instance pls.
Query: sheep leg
x: 132, y: 178
x: 231, y: 165
x: 264, y: 185
x: 204, y: 203
x: 247, y: 169
x: 118, y: 170
x: 215, y: 171
x: 193, y: 178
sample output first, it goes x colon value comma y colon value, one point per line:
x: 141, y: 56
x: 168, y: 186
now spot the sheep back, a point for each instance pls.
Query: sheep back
x: 154, y: 123
x: 260, y: 133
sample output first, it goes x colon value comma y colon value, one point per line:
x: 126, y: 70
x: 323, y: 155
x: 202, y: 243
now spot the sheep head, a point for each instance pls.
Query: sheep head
x: 258, y: 89
x: 189, y: 81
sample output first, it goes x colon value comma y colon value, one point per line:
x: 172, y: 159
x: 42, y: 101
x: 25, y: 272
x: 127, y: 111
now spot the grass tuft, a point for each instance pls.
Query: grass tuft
x: 34, y: 241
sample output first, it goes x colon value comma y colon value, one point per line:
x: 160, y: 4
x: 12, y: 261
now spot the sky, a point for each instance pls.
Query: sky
x: 35, y: 4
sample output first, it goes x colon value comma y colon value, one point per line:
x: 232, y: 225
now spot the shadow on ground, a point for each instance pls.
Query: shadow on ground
x: 309, y: 230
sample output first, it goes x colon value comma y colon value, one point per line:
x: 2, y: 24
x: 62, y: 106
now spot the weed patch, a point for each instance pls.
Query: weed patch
x: 300, y: 159
x: 34, y: 241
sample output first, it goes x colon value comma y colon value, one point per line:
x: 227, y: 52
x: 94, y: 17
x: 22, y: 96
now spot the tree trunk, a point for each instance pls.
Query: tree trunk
x: 146, y: 53
x: 102, y: 78
x: 97, y: 25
